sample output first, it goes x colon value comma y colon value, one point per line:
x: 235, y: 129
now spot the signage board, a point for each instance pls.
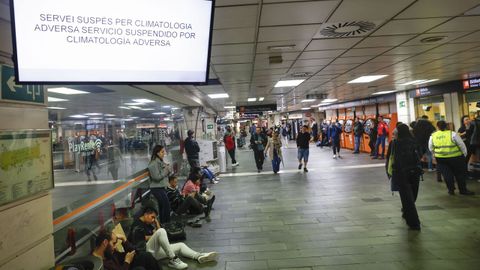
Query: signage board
x: 258, y: 109
x: 438, y: 89
x: 471, y: 84
x: 112, y: 41
x: 12, y: 92
x: 25, y: 164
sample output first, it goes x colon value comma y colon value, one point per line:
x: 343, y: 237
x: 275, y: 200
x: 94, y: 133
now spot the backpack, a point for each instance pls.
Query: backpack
x: 408, y: 161
x: 229, y: 143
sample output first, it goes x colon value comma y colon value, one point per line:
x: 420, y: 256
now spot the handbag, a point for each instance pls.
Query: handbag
x: 175, y: 231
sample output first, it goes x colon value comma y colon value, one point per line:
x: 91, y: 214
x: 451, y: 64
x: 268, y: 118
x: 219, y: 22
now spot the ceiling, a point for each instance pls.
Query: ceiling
x: 246, y: 32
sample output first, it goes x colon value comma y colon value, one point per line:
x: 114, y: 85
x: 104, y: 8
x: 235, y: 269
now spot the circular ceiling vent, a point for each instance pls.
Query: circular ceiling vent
x: 348, y: 29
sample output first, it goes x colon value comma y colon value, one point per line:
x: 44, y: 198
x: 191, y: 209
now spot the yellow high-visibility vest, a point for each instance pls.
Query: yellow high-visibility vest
x: 444, y: 146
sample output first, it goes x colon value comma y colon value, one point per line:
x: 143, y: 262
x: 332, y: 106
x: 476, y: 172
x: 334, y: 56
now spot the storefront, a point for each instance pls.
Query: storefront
x: 438, y: 102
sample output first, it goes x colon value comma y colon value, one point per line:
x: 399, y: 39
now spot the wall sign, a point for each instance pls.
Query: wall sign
x: 25, y: 164
x: 11, y: 91
x: 434, y: 90
x: 471, y: 84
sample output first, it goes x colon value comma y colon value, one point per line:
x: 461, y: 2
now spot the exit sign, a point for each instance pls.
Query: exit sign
x: 10, y: 91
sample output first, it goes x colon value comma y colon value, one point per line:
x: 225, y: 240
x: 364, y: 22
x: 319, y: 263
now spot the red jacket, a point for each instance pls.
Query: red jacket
x: 382, y: 129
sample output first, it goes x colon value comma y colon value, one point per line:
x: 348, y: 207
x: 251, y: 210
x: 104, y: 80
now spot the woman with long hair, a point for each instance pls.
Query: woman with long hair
x: 466, y: 132
x: 404, y: 170
x: 159, y: 172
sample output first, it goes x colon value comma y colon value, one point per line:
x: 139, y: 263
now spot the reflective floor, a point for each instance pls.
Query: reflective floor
x: 340, y: 215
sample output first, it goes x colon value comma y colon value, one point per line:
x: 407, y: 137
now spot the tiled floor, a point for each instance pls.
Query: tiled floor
x: 340, y: 215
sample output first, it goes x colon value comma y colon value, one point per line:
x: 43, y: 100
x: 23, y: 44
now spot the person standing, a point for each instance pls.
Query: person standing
x: 192, y: 149
x: 422, y: 131
x: 373, y: 137
x: 314, y: 130
x: 303, y: 142
x: 159, y: 172
x: 404, y: 169
x: 229, y: 140
x: 382, y: 134
x: 358, y: 133
x: 334, y: 132
x: 285, y: 135
x: 274, y: 150
x: 258, y: 141
x: 450, y: 151
x: 466, y: 132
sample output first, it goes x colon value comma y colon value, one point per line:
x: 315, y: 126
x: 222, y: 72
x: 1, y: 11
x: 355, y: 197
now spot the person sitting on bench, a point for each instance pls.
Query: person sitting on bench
x: 146, y: 234
x: 105, y: 249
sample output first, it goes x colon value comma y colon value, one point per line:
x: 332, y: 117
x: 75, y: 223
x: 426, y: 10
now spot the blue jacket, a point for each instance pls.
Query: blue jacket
x: 334, y: 132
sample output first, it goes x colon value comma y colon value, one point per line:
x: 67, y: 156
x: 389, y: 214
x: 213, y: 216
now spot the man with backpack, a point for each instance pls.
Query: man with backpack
x: 229, y: 140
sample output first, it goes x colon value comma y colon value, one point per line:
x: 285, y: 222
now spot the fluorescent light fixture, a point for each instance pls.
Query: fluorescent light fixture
x: 304, y: 109
x: 222, y: 95
x: 159, y: 113
x: 166, y: 106
x: 127, y: 119
x: 174, y: 108
x: 135, y: 107
x: 383, y: 92
x: 329, y: 100
x: 147, y: 109
x: 54, y: 99
x: 229, y: 107
x: 56, y: 108
x: 66, y: 91
x: 95, y: 118
x: 124, y: 107
x: 109, y: 115
x: 308, y: 100
x: 133, y: 103
x: 288, y: 83
x: 433, y: 80
x: 167, y: 119
x: 143, y: 100
x: 261, y: 98
x: 93, y: 114
x: 133, y: 117
x: 419, y: 82
x: 367, y: 79
x: 78, y: 116
x: 252, y: 99
x: 281, y: 47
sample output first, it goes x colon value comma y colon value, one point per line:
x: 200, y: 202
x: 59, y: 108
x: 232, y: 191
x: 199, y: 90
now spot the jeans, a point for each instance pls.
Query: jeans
x: 276, y: 163
x: 208, y: 174
x: 357, y: 143
x: 380, y: 140
x: 303, y: 153
x: 161, y: 248
x: 163, y: 204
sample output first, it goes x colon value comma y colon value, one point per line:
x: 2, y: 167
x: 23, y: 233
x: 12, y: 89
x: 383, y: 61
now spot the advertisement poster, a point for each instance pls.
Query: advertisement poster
x: 25, y: 164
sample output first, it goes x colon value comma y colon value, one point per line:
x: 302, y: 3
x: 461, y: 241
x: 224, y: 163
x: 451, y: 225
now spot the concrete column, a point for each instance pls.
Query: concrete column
x: 190, y: 115
x: 26, y: 240
x: 456, y: 109
x: 411, y: 109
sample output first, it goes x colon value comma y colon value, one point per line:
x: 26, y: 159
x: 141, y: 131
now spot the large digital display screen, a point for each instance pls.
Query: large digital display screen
x: 104, y: 41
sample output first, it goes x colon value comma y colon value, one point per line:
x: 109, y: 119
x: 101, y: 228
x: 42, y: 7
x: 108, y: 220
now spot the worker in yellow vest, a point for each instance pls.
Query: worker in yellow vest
x: 450, y: 151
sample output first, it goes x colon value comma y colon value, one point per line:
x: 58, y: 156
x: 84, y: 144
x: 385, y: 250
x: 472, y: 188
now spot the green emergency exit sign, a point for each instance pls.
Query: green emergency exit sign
x: 32, y: 93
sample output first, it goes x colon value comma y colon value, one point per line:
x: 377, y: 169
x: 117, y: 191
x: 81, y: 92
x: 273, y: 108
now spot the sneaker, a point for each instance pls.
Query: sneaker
x: 305, y: 169
x: 213, y: 181
x: 334, y: 156
x: 339, y: 156
x: 235, y: 164
x: 207, y: 257
x: 300, y: 166
x: 431, y: 170
x: 176, y: 263
x: 259, y: 171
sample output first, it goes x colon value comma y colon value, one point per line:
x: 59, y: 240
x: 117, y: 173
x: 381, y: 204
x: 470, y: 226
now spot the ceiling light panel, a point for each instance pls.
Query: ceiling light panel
x: 288, y: 83
x: 220, y: 95
x: 56, y: 108
x: 296, y: 13
x: 143, y: 100
x: 252, y: 99
x: 367, y: 79
x: 66, y: 91
x: 54, y: 99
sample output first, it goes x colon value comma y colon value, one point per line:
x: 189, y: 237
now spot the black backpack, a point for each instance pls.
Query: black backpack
x: 408, y: 158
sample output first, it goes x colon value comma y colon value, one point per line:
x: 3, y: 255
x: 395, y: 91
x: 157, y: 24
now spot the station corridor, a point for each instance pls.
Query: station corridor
x: 339, y: 215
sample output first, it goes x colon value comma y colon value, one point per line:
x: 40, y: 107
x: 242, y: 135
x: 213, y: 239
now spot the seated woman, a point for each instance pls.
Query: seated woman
x: 147, y: 235
x: 209, y: 174
x: 179, y: 203
x: 192, y: 188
